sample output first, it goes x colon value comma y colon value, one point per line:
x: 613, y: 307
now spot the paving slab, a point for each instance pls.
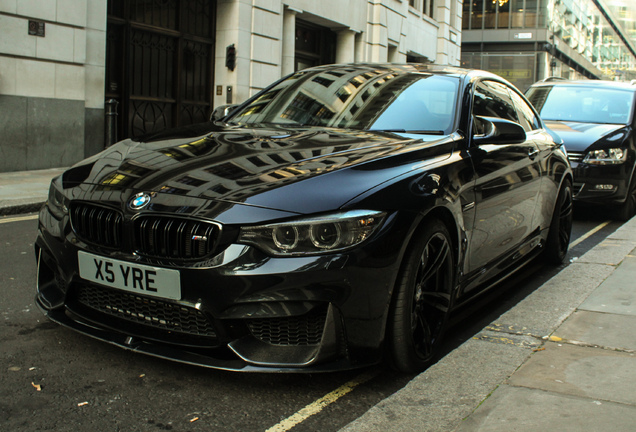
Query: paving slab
x: 548, y: 306
x: 439, y: 398
x: 610, y: 331
x: 524, y: 410
x: 587, y: 372
x: 610, y: 251
x: 627, y: 231
x: 617, y: 294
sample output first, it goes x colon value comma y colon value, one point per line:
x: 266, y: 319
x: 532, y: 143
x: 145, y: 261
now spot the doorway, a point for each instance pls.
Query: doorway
x: 159, y: 63
x: 315, y: 45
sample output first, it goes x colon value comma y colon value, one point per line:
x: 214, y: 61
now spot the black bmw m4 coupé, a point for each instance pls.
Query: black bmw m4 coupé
x: 332, y: 221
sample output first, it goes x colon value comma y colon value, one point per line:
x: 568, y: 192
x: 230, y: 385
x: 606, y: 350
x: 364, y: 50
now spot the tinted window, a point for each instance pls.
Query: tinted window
x: 527, y: 117
x: 361, y: 98
x: 492, y: 99
x: 583, y: 104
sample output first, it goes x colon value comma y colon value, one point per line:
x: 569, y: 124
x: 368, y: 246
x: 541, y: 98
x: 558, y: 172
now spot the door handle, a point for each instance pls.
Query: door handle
x: 533, y: 153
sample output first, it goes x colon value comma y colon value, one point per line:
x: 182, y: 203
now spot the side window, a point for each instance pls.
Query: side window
x: 527, y: 117
x: 491, y: 99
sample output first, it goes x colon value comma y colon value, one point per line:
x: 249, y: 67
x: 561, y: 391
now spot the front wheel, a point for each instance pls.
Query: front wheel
x: 560, y: 226
x: 423, y: 299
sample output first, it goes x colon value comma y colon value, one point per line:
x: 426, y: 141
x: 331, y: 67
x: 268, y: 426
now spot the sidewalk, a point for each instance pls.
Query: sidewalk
x: 562, y: 360
x: 25, y: 191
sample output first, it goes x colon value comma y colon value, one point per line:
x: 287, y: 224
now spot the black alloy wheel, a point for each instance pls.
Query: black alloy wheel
x: 423, y: 299
x: 628, y: 208
x: 560, y: 226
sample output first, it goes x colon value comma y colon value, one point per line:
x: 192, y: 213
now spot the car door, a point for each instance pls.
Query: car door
x: 507, y: 184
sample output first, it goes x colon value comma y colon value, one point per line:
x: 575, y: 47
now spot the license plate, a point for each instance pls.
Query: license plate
x: 136, y: 278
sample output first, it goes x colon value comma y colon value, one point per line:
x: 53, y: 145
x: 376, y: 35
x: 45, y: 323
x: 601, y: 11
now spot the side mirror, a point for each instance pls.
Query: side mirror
x: 494, y: 130
x: 221, y: 111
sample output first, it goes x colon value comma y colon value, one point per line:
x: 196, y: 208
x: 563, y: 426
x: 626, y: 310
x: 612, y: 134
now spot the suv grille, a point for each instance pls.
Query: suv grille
x: 96, y: 224
x: 152, y: 235
x: 575, y: 156
x: 149, y: 312
x: 301, y: 330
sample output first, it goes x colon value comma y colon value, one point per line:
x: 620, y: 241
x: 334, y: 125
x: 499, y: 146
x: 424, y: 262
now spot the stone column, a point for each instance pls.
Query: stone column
x: 345, y: 46
x: 360, y: 46
x: 289, y: 41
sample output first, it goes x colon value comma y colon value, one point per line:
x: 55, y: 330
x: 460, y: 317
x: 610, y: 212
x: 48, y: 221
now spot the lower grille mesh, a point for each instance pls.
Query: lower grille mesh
x: 149, y: 312
x: 296, y: 331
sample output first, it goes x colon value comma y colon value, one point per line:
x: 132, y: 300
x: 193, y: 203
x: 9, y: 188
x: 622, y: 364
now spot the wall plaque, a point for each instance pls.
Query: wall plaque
x: 36, y: 28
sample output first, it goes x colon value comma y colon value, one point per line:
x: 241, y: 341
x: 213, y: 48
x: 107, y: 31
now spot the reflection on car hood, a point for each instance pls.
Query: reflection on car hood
x: 577, y: 136
x: 261, y: 167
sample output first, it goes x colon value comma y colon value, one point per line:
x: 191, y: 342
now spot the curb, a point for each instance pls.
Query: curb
x: 15, y: 209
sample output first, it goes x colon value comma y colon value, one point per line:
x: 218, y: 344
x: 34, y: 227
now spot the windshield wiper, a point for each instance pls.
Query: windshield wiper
x: 414, y: 131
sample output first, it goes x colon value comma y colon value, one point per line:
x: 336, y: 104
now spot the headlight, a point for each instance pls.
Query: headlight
x: 56, y: 202
x: 311, y: 236
x: 612, y: 156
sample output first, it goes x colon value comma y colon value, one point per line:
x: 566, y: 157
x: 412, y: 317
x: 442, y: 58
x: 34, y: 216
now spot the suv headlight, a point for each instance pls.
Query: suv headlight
x: 313, y: 236
x: 612, y: 156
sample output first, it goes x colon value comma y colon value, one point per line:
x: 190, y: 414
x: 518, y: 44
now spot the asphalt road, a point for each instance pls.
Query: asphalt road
x: 55, y: 379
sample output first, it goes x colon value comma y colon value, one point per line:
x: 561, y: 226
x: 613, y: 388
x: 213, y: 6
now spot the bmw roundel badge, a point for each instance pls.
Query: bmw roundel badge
x: 139, y: 201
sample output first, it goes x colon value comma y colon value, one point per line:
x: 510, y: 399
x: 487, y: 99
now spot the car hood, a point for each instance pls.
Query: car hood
x: 292, y: 170
x: 577, y: 136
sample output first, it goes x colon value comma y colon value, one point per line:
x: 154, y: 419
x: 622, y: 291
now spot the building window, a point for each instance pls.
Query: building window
x: 530, y: 14
x: 428, y: 7
x: 516, y: 11
x: 473, y: 15
x: 490, y: 14
x: 323, y: 81
x: 503, y: 15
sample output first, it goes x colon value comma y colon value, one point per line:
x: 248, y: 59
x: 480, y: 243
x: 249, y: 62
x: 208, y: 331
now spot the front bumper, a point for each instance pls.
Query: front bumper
x: 205, y: 358
x: 242, y: 311
x: 601, y: 184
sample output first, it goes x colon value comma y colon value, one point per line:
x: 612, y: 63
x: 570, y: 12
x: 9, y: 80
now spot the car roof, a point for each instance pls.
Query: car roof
x: 410, y: 67
x: 556, y: 81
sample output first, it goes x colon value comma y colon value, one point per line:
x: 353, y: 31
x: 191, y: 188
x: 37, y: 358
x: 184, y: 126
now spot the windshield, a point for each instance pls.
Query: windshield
x: 583, y: 104
x: 357, y: 98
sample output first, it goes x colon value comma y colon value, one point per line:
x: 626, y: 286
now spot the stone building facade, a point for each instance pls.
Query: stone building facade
x: 526, y: 41
x: 52, y: 62
x: 167, y: 63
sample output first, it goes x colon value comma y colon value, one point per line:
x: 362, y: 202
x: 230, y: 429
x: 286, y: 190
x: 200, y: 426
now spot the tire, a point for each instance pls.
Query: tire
x: 560, y: 226
x: 628, y: 208
x: 422, y: 300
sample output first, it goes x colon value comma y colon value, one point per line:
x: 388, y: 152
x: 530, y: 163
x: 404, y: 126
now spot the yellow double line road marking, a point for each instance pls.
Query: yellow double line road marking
x: 589, y: 234
x: 18, y: 219
x: 317, y: 406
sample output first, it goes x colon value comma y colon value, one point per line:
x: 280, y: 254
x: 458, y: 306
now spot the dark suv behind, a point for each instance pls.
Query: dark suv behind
x: 596, y: 121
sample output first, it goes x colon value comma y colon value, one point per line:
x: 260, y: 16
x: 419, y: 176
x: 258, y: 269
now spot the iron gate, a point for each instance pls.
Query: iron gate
x: 159, y: 63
